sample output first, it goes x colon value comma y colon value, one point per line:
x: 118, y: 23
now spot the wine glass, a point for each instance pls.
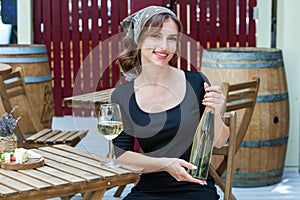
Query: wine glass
x: 110, y: 126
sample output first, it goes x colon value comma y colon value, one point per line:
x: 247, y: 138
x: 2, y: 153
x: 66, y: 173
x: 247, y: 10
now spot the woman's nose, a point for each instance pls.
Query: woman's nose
x: 164, y: 44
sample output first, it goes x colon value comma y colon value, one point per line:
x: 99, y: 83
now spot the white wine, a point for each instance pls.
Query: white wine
x: 110, y: 129
x: 110, y: 126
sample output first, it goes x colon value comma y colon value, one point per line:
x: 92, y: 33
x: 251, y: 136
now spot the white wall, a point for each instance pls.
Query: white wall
x: 25, y: 21
x: 288, y: 33
x: 288, y: 40
x: 264, y: 23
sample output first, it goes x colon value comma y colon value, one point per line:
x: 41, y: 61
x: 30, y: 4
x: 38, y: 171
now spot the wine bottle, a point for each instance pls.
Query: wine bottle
x: 202, y: 146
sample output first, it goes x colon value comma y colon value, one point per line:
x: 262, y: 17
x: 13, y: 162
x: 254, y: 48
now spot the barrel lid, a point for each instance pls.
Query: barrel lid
x: 5, y: 69
x: 243, y: 53
x: 21, y: 49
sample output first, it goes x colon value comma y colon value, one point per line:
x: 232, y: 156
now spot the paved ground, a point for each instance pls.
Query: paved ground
x: 287, y: 189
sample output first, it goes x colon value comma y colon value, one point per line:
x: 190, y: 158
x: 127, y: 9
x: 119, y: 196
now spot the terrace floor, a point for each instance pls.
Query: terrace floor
x: 287, y: 189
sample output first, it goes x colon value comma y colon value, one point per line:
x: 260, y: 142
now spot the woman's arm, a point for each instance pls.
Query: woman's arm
x: 221, y: 132
x: 174, y: 166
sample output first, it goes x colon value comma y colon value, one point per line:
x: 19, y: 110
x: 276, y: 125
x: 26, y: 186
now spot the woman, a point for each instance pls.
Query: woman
x: 162, y: 107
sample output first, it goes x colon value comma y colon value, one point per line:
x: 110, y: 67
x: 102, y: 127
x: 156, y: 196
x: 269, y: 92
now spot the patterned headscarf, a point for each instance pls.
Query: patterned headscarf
x: 134, y: 24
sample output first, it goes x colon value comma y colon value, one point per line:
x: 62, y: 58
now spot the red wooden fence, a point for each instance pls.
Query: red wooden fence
x: 82, y: 37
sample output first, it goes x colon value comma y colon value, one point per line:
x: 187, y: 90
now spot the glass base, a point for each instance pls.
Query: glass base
x: 111, y: 164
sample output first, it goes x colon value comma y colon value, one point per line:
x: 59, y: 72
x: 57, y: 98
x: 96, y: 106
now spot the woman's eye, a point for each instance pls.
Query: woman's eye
x: 155, y: 36
x: 173, y: 38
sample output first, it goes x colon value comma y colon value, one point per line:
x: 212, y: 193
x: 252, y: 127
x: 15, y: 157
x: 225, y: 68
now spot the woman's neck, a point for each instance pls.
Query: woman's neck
x: 155, y: 74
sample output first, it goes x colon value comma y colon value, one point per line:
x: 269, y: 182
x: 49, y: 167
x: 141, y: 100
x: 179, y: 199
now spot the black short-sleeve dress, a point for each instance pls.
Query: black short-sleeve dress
x: 163, y: 134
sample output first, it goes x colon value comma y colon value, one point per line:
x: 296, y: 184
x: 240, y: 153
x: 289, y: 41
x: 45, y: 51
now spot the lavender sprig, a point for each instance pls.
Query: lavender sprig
x: 8, y: 123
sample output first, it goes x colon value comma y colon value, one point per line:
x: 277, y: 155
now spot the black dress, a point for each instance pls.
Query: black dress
x: 163, y: 134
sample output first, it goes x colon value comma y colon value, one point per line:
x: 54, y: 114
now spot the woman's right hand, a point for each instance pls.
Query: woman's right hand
x: 177, y: 168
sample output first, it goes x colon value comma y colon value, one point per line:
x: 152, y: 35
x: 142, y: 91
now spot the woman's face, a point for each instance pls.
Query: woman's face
x: 159, y: 46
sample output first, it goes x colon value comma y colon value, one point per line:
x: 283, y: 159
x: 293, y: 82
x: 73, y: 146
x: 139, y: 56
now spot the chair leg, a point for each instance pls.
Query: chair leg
x: 119, y: 191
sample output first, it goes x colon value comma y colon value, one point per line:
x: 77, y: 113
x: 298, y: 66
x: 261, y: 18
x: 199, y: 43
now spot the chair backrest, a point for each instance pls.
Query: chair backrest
x: 240, y: 100
x: 12, y: 86
x: 241, y: 96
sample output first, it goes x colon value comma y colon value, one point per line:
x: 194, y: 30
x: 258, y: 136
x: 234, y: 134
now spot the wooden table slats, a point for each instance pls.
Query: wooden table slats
x: 59, y: 174
x: 79, y: 165
x: 67, y: 171
x: 54, y: 181
x: 39, y: 134
x: 81, y: 153
x: 72, y: 170
x: 91, y: 161
x: 73, y: 136
x: 6, y: 191
x: 132, y: 168
x: 16, y: 185
x: 58, y: 136
x: 25, y: 179
x: 47, y: 136
x: 91, y: 100
x: 93, y: 96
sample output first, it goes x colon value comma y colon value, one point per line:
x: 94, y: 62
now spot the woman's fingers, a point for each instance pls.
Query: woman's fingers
x: 198, y: 181
x: 187, y: 165
x: 214, y: 98
x: 178, y: 171
x: 206, y: 85
x: 187, y: 176
x: 212, y: 88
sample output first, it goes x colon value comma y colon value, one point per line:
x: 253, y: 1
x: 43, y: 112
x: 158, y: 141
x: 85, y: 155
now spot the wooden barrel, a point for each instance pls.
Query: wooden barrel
x: 260, y: 160
x: 33, y: 60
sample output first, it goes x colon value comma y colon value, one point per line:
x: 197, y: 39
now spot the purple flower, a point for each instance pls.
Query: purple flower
x: 8, y: 123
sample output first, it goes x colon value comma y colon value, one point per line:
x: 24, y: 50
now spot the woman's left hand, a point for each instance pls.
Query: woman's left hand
x: 214, y: 99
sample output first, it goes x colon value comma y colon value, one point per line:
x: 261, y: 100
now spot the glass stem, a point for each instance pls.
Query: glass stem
x: 111, y: 151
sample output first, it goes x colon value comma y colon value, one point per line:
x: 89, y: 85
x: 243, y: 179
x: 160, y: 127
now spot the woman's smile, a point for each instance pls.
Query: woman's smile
x: 161, y: 54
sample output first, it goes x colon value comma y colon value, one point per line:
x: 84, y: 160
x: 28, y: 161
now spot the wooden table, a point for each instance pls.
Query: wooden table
x: 91, y: 100
x: 67, y: 171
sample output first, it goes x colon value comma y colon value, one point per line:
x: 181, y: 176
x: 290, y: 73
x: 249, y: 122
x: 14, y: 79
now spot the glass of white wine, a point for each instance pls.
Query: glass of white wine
x: 110, y: 126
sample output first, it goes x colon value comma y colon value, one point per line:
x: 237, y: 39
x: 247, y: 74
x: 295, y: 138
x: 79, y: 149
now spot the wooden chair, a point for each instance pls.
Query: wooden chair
x: 12, y: 86
x: 238, y: 96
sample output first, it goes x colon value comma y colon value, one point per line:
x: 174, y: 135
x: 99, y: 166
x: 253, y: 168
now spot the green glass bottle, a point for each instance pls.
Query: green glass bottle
x: 202, y: 146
